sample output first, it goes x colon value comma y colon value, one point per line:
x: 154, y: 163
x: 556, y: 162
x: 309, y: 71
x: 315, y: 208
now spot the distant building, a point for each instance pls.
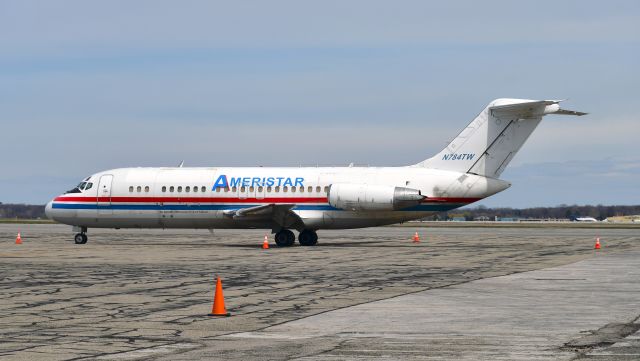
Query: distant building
x: 507, y: 219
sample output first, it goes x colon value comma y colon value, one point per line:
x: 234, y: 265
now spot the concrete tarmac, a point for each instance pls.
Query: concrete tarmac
x: 373, y: 294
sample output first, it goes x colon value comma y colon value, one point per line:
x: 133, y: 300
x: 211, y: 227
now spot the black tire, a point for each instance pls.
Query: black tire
x: 308, y: 238
x: 285, y: 238
x: 80, y: 238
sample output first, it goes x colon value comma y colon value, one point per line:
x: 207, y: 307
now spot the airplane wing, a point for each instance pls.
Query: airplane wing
x: 281, y: 214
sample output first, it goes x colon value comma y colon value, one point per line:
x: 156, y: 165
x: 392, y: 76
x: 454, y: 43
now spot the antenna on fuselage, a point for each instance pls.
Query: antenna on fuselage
x: 181, y: 164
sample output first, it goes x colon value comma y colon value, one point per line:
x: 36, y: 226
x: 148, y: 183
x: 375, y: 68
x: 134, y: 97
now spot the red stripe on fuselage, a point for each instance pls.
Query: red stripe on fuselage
x: 232, y: 200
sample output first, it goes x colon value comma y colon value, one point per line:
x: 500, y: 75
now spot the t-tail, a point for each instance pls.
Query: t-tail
x: 487, y: 145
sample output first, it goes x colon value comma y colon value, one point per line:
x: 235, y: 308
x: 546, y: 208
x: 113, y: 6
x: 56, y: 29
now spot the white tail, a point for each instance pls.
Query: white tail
x: 487, y: 145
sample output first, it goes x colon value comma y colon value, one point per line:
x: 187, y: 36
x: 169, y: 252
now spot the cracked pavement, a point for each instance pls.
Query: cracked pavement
x: 134, y: 294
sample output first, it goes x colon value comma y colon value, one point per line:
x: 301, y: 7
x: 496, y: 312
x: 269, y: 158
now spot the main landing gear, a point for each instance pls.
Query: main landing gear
x: 286, y: 238
x: 81, y: 238
x: 308, y: 238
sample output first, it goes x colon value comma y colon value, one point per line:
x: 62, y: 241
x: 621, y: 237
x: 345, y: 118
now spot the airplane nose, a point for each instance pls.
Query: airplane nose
x: 48, y: 211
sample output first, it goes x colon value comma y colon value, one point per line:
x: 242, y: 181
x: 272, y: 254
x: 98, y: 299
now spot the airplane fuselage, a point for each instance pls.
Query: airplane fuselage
x: 308, y: 199
x: 203, y: 197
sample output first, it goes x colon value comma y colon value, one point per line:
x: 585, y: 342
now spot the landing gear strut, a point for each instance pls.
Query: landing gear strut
x: 285, y: 238
x: 308, y: 238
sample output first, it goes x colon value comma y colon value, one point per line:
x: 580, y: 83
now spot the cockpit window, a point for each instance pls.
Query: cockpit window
x: 82, y: 186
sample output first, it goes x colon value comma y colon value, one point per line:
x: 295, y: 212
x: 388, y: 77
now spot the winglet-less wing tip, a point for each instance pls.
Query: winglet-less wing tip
x: 569, y: 112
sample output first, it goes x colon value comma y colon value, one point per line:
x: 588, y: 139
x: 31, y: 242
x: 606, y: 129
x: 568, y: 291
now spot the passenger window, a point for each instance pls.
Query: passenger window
x: 195, y: 189
x: 187, y: 189
x: 293, y: 189
x: 179, y: 189
x: 326, y: 189
x: 242, y: 189
x: 318, y: 189
x: 251, y: 189
x: 285, y: 189
x: 139, y: 189
x: 130, y: 189
x: 203, y: 189
x: 226, y: 190
x: 277, y: 189
x: 301, y: 189
x: 164, y: 189
x: 260, y: 189
x: 146, y: 189
x: 269, y: 189
x: 310, y: 189
x: 218, y: 190
x: 234, y: 189
x: 171, y: 189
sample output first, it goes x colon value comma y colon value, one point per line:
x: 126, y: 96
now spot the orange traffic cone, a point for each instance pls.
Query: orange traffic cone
x: 265, y: 244
x: 416, y: 238
x: 18, y: 239
x: 597, y: 246
x: 218, y: 301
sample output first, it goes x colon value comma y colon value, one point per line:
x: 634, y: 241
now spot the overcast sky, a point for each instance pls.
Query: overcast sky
x: 87, y: 86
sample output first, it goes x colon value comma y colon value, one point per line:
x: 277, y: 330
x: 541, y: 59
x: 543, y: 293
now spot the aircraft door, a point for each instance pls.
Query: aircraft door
x: 104, y: 194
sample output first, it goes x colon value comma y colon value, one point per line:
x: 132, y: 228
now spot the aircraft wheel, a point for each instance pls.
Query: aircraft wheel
x: 80, y: 238
x: 285, y: 238
x: 308, y: 238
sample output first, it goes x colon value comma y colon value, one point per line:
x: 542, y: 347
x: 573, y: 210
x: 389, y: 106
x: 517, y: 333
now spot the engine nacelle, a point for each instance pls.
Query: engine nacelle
x: 366, y: 197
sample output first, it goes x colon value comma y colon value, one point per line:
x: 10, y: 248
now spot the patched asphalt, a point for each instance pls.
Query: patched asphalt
x: 372, y: 293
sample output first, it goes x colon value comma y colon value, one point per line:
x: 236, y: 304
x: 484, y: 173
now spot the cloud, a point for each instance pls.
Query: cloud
x: 86, y: 86
x: 57, y: 27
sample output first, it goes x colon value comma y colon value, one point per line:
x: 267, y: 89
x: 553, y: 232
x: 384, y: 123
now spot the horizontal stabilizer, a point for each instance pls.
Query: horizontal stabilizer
x: 531, y: 109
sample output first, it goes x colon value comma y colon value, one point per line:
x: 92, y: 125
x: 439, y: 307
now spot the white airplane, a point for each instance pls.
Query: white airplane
x: 312, y: 198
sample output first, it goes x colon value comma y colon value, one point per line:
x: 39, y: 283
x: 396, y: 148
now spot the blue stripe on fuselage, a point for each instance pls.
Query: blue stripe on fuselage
x: 220, y: 207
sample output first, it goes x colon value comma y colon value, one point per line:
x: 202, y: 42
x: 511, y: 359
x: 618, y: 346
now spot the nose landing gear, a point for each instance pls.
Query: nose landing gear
x: 81, y: 238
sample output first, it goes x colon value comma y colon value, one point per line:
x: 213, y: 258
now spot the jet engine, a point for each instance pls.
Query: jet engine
x: 366, y: 197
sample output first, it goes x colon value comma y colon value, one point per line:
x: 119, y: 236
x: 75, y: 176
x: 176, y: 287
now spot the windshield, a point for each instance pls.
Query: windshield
x: 82, y: 186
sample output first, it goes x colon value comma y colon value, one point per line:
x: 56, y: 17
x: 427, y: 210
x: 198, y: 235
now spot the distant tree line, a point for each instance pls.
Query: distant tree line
x: 23, y: 211
x: 562, y: 211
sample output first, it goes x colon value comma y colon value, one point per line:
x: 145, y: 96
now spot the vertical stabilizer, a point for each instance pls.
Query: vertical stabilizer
x: 487, y: 145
